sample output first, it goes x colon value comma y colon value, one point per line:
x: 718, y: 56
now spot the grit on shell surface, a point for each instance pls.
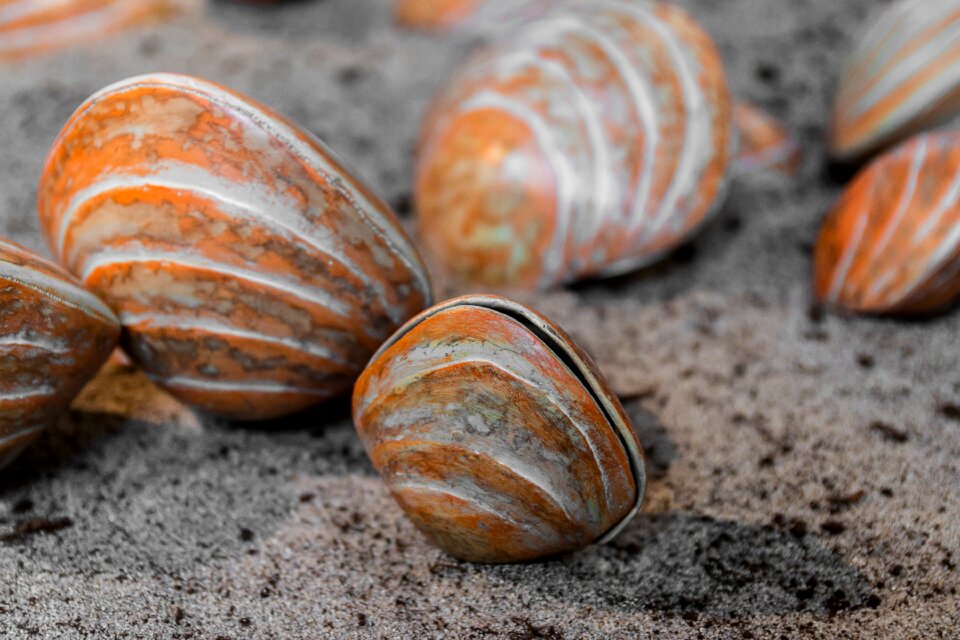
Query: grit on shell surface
x: 804, y: 474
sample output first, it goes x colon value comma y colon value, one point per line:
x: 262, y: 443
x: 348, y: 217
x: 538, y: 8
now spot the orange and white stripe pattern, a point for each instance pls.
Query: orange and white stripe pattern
x: 764, y: 143
x: 254, y: 274
x: 36, y: 26
x: 497, y: 435
x: 54, y: 336
x: 590, y: 141
x: 903, y: 78
x: 891, y: 245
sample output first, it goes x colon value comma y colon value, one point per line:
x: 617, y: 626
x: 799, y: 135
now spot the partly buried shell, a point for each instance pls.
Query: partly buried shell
x: 253, y: 273
x: 589, y: 142
x: 891, y: 245
x: 54, y: 336
x: 497, y: 435
x: 903, y: 77
x: 35, y: 26
x: 765, y: 144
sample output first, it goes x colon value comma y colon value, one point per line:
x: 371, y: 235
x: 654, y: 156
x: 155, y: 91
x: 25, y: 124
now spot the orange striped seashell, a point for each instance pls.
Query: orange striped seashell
x: 903, y: 78
x: 765, y: 144
x: 589, y: 142
x: 36, y: 26
x: 440, y: 15
x: 496, y: 435
x: 891, y: 245
x: 54, y: 336
x: 253, y: 273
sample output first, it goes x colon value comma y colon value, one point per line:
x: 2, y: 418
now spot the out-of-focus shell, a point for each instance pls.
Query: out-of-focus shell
x: 254, y: 274
x: 891, y: 245
x: 36, y: 26
x: 497, y: 435
x: 471, y: 15
x: 589, y: 142
x: 765, y: 144
x: 54, y: 336
x: 903, y: 77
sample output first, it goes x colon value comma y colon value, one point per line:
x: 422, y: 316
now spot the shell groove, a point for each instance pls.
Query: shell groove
x: 764, y: 143
x: 496, y: 435
x: 902, y: 78
x: 892, y: 242
x: 591, y: 141
x: 54, y: 335
x: 254, y: 275
x: 35, y: 26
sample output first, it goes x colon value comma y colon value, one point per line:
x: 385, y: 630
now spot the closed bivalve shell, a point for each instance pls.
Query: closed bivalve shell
x: 253, y: 273
x: 54, y: 336
x: 902, y: 78
x: 891, y: 245
x: 588, y: 142
x: 496, y: 435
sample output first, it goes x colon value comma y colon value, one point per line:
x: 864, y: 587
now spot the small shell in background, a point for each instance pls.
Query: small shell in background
x: 37, y: 26
x: 765, y: 144
x: 891, y: 245
x: 54, y: 336
x: 902, y: 78
x: 496, y: 435
x: 589, y: 142
x: 253, y: 272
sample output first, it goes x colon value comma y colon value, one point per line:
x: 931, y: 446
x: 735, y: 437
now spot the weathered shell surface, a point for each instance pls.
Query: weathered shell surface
x: 590, y: 141
x: 35, y: 26
x: 892, y: 243
x: 903, y: 77
x: 253, y: 273
x: 764, y: 144
x: 54, y: 335
x: 497, y: 436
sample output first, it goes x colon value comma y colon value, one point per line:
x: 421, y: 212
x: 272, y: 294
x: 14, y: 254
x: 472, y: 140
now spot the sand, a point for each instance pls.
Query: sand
x: 804, y: 465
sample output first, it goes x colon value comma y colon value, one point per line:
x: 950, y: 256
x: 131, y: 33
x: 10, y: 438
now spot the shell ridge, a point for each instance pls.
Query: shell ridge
x: 23, y: 276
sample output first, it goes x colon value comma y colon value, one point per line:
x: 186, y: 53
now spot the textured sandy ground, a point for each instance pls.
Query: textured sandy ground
x: 805, y: 465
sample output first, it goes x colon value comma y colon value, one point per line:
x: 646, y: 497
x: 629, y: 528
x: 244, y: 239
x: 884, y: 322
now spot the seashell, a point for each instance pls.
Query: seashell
x: 54, y: 336
x: 589, y: 142
x: 253, y: 273
x: 468, y: 15
x: 36, y: 26
x: 765, y: 144
x: 496, y: 435
x: 902, y: 78
x: 891, y: 245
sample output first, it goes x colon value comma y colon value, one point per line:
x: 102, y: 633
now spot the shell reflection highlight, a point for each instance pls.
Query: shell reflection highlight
x: 253, y: 273
x: 892, y: 242
x: 37, y: 26
x: 903, y: 77
x: 54, y: 336
x: 497, y: 435
x: 589, y: 142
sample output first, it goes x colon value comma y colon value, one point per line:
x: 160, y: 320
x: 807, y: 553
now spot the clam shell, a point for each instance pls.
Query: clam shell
x: 254, y: 274
x: 36, y: 26
x: 902, y: 78
x: 475, y: 16
x: 54, y: 335
x: 589, y: 142
x: 497, y: 435
x: 764, y: 143
x: 891, y: 245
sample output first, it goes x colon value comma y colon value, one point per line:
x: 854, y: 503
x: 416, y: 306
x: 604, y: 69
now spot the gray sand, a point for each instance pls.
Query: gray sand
x: 805, y: 475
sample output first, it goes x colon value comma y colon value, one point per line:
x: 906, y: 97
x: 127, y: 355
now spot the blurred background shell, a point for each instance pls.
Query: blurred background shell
x: 588, y: 142
x: 497, y: 435
x: 892, y: 242
x: 764, y: 143
x: 474, y: 16
x: 35, y: 26
x: 253, y: 273
x: 54, y: 336
x: 902, y: 78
